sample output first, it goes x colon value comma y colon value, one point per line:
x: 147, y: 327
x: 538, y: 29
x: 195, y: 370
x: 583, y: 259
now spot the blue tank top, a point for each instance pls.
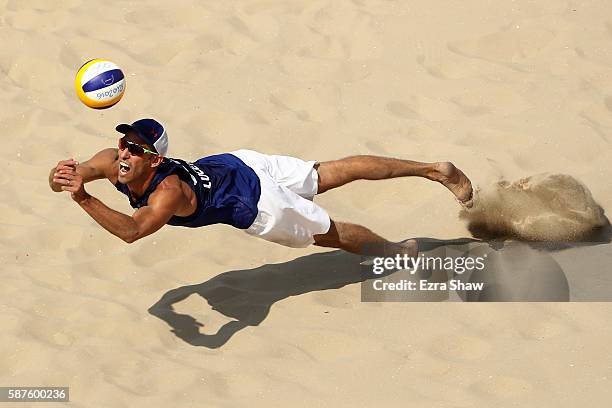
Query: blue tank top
x: 226, y: 189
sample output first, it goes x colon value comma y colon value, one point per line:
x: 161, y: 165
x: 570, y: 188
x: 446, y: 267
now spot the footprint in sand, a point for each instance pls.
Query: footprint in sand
x: 470, y: 109
x: 401, y: 110
x: 431, y: 69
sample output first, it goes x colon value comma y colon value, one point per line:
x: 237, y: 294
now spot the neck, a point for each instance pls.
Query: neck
x: 138, y: 187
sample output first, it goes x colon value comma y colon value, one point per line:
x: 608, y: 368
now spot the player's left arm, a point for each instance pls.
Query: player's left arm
x: 162, y: 205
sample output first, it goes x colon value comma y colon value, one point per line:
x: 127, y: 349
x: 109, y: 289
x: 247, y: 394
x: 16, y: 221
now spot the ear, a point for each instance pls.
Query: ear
x: 156, y: 161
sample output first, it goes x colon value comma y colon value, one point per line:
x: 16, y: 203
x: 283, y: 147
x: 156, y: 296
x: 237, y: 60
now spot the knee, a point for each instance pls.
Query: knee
x: 330, y: 239
x: 325, y: 176
x: 331, y: 174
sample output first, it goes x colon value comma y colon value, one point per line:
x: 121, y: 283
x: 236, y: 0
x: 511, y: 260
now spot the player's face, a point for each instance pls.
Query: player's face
x: 134, y: 160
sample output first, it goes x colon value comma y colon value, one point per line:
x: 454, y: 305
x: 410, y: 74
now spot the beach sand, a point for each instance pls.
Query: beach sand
x: 505, y: 90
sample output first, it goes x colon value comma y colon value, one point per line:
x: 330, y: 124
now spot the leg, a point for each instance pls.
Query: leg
x: 336, y: 173
x: 360, y: 240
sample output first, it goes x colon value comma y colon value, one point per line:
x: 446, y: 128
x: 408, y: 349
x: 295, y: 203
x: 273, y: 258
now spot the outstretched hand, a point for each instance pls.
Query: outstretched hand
x: 67, y: 177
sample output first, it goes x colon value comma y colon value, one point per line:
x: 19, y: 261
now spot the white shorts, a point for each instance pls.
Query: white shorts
x: 286, y: 214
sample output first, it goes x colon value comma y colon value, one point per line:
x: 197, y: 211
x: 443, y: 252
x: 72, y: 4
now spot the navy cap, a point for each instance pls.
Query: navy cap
x: 150, y: 131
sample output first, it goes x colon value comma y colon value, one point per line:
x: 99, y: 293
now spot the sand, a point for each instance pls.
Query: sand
x: 505, y: 90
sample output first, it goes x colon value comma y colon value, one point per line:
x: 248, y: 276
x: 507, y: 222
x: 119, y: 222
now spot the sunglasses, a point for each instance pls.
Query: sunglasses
x: 134, y: 148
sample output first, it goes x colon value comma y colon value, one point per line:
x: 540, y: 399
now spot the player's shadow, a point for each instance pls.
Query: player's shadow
x: 247, y: 295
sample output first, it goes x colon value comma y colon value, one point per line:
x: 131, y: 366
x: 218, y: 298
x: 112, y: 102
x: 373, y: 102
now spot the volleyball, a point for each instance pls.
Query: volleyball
x: 99, y: 83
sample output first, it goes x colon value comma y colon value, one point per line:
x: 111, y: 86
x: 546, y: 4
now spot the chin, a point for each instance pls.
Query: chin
x: 123, y: 179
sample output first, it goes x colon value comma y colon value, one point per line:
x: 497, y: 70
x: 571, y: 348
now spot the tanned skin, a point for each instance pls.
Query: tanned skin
x: 174, y: 197
x: 171, y: 197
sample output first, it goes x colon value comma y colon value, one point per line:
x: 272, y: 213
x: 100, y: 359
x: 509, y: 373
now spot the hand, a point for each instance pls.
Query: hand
x: 56, y: 179
x: 67, y: 177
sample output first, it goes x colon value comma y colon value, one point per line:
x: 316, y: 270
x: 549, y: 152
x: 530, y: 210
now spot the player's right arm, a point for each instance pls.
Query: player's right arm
x: 100, y: 166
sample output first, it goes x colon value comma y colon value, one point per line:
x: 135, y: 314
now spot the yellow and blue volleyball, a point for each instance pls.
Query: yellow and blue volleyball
x: 99, y: 84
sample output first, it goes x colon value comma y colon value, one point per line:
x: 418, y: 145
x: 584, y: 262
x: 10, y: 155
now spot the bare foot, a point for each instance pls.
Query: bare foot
x: 411, y: 247
x: 408, y: 247
x: 452, y: 178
